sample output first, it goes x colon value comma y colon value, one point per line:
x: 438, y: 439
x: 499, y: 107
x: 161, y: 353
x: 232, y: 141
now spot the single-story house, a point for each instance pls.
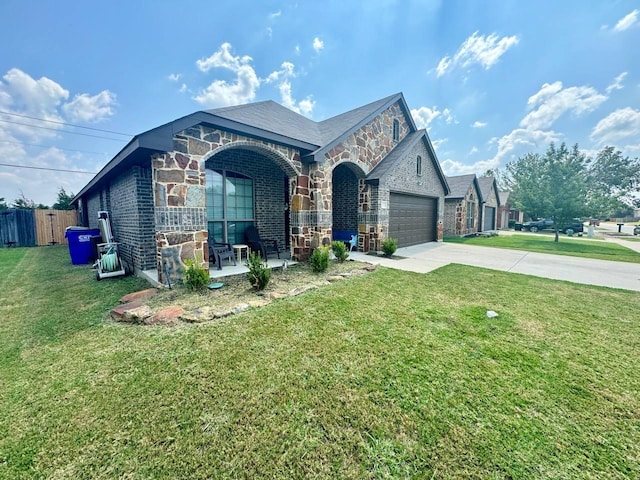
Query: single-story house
x: 209, y: 175
x: 507, y: 213
x: 462, y: 205
x: 490, y: 203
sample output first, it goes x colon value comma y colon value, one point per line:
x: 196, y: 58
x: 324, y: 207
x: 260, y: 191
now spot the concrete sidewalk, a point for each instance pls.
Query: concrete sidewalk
x: 429, y: 256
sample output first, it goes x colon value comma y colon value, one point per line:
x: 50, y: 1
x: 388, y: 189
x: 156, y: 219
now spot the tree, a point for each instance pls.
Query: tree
x: 614, y: 181
x: 3, y: 204
x: 553, y: 185
x: 64, y: 200
x: 26, y: 203
x: 499, y: 176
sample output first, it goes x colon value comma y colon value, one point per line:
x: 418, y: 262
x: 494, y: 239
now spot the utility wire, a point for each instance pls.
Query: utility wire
x: 51, y: 146
x: 62, y: 131
x: 64, y: 123
x: 45, y: 168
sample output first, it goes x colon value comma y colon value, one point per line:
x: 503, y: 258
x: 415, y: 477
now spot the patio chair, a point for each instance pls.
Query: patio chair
x: 262, y: 246
x: 219, y: 251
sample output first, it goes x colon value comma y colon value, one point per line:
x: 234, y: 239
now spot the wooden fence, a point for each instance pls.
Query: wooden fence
x: 28, y: 228
x: 56, y: 221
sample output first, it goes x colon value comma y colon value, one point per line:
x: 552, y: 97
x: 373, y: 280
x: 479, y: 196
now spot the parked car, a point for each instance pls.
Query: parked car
x: 636, y: 230
x: 547, y: 224
x: 536, y: 225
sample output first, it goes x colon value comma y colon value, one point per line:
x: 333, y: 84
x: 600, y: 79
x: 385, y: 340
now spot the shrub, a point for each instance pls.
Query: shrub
x: 259, y: 273
x: 389, y: 246
x: 320, y: 259
x: 194, y: 276
x: 340, y: 250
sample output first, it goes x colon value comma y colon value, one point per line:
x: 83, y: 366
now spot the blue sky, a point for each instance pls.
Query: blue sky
x: 490, y: 80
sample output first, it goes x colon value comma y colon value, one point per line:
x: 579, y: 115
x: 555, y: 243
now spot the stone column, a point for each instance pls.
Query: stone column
x: 180, y: 213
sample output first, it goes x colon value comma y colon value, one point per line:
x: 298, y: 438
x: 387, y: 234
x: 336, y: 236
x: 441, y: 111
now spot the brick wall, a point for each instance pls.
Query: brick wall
x: 132, y: 217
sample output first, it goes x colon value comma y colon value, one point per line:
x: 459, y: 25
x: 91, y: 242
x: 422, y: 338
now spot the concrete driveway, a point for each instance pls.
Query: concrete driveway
x: 429, y: 256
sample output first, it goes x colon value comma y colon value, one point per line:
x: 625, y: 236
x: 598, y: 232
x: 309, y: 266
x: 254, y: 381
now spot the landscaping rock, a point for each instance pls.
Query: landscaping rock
x: 299, y: 290
x: 335, y: 278
x: 137, y: 315
x: 141, y: 295
x: 167, y: 316
x: 276, y: 295
x: 199, y: 315
x: 370, y: 268
x: 118, y: 312
x: 243, y: 307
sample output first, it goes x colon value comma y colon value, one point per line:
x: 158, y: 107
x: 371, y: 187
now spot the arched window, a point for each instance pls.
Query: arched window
x: 396, y: 130
x: 229, y: 205
x: 419, y: 165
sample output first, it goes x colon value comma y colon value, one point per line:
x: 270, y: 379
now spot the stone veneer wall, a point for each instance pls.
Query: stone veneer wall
x: 455, y: 215
x: 364, y: 148
x: 179, y: 191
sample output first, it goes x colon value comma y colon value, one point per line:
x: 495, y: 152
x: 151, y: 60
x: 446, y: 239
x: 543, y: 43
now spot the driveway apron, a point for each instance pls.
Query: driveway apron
x: 429, y: 256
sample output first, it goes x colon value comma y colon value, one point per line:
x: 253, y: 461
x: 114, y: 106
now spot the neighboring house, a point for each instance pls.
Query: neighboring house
x: 209, y: 175
x: 462, y: 205
x: 490, y: 203
x: 507, y: 213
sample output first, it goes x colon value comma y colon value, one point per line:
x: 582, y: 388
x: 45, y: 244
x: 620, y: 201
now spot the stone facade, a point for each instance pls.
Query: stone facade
x: 455, y: 215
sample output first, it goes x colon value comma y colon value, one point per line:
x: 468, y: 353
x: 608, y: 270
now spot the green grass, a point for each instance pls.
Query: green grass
x: 545, y: 244
x: 389, y: 375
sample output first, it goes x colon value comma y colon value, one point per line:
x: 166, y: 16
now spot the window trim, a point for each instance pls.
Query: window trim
x: 225, y: 219
x: 396, y: 130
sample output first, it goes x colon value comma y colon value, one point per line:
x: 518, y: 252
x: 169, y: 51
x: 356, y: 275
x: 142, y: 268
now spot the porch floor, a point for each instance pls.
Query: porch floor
x: 228, y: 269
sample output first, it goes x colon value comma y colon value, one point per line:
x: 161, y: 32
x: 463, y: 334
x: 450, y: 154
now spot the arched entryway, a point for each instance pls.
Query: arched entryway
x: 345, y: 199
x: 244, y: 187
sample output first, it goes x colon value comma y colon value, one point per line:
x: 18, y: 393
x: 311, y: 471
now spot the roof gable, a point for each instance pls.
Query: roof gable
x: 460, y: 185
x: 486, y: 184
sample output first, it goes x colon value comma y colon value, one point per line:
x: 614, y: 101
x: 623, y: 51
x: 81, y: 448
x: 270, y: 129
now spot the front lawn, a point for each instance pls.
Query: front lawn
x: 388, y: 375
x: 575, y: 247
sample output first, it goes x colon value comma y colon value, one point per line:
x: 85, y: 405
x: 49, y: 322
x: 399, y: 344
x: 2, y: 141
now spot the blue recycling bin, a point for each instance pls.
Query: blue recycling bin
x: 79, y: 240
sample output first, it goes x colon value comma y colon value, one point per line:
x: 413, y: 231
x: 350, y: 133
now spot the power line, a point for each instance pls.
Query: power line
x: 45, y: 168
x: 66, y: 124
x: 62, y: 131
x: 52, y: 146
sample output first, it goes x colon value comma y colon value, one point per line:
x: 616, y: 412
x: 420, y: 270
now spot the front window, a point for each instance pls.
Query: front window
x: 419, y: 165
x: 396, y: 130
x: 470, y: 212
x: 229, y: 205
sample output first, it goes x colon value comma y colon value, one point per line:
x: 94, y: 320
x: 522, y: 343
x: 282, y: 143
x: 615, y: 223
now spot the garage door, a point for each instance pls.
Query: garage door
x: 412, y: 219
x: 489, y: 218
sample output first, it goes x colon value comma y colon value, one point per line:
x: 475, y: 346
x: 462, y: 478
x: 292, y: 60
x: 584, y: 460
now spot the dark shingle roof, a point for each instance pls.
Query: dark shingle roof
x: 460, y: 185
x: 486, y: 184
x: 273, y: 117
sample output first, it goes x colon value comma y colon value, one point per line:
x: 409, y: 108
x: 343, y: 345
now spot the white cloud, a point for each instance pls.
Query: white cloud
x: 448, y: 116
x: 423, y: 116
x: 287, y: 69
x: 473, y: 150
x: 183, y: 88
x: 479, y: 124
x: 318, y: 44
x: 275, y: 15
x: 453, y: 167
x: 86, y: 108
x: 617, y: 83
x: 297, y: 49
x: 174, y: 77
x: 627, y: 21
x: 477, y: 49
x: 221, y: 93
x: 39, y: 98
x: 304, y: 107
x: 553, y: 100
x: 438, y: 141
x: 622, y: 123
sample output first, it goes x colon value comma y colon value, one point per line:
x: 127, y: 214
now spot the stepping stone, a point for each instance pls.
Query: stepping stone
x: 117, y: 313
x: 166, y: 316
x: 141, y: 295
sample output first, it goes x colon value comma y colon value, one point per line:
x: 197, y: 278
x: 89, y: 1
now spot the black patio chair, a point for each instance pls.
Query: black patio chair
x: 262, y: 246
x: 219, y: 251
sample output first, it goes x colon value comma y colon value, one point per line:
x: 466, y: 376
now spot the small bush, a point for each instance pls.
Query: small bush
x: 389, y: 246
x: 194, y: 276
x: 320, y: 259
x: 259, y: 273
x: 340, y: 250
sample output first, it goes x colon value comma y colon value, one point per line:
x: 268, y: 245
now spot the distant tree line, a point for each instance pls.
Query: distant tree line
x: 564, y: 183
x: 63, y: 202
